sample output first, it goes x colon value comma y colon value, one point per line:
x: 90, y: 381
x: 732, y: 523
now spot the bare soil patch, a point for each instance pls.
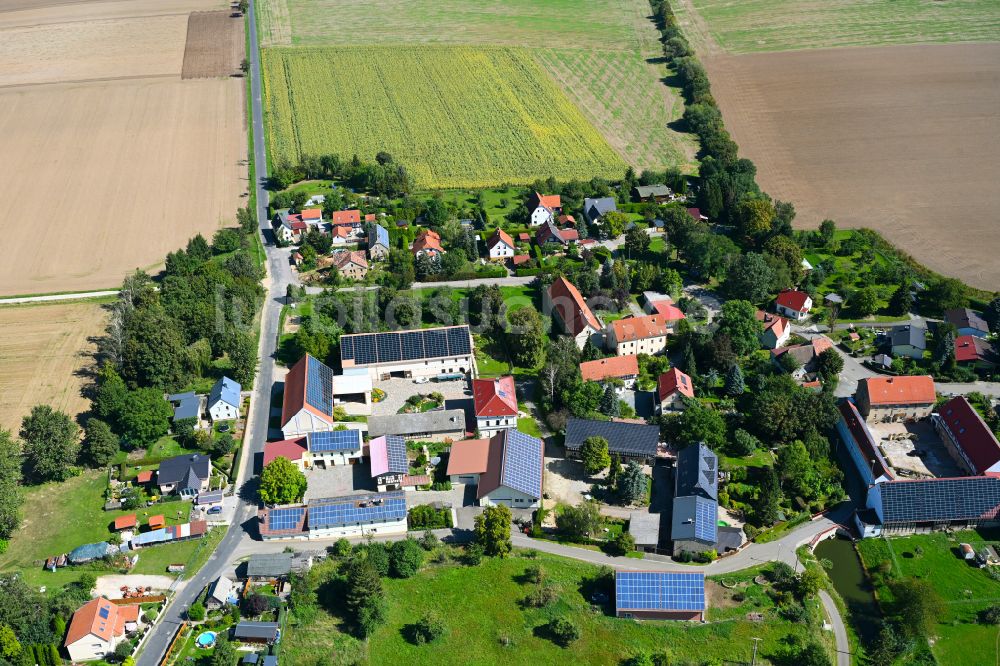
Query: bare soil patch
x: 121, y: 172
x: 214, y: 46
x: 46, y: 355
x: 901, y: 139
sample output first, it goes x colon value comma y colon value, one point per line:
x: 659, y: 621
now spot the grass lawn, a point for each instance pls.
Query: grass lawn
x: 194, y: 553
x: 759, y: 458
x: 167, y: 447
x: 529, y: 426
x: 964, y: 588
x: 486, y: 624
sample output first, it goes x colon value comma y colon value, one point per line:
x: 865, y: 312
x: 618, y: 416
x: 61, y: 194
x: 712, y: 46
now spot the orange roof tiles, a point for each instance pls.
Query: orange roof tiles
x: 468, y: 456
x: 571, y: 307
x: 639, y: 328
x: 900, y: 390
x: 352, y: 216
x: 101, y: 618
x: 427, y: 240
x: 500, y: 236
x: 312, y: 214
x: 668, y: 311
x: 673, y: 381
x: 616, y: 366
x: 123, y: 522
x: 156, y: 522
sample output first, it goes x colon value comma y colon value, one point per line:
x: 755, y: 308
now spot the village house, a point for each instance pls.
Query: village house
x: 224, y: 400
x: 652, y: 193
x: 660, y: 595
x: 595, y: 209
x: 187, y: 406
x: 98, y: 627
x: 672, y: 387
x: 637, y: 335
x: 804, y: 356
x: 776, y: 330
x: 495, y: 404
x: 378, y: 242
x: 427, y: 352
x: 626, y: 439
x: 500, y: 246
x: 907, y: 340
x: 187, y: 475
x: 290, y: 227
x: 550, y: 233
x: 563, y: 300
x: 347, y: 218
x: 221, y: 592
x: 623, y: 368
x: 793, y: 304
x: 694, y: 527
x: 427, y: 243
x: 663, y: 306
x: 342, y: 236
x: 967, y: 322
x: 323, y: 449
x: 895, y: 398
x: 390, y: 466
x: 976, y: 352
x: 697, y: 215
x: 351, y: 264
x: 543, y: 207
x: 308, y: 402
x: 507, y: 468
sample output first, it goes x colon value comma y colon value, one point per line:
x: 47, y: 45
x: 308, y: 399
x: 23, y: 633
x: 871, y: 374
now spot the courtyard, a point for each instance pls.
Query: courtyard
x: 914, y: 450
x: 457, y: 394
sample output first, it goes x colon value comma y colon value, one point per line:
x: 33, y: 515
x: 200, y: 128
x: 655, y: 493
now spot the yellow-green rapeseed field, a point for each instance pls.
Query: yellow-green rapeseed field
x: 455, y: 116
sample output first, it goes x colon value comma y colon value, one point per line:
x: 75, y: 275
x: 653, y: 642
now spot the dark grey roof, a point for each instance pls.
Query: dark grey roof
x: 447, y: 420
x: 728, y: 538
x: 697, y: 472
x: 263, y: 565
x: 594, y: 209
x: 966, y: 318
x: 914, y: 336
x: 695, y: 518
x: 259, y: 630
x: 964, y: 498
x: 629, y: 438
x: 187, y: 405
x: 250, y: 658
x: 180, y: 468
x: 652, y: 191
x: 834, y: 298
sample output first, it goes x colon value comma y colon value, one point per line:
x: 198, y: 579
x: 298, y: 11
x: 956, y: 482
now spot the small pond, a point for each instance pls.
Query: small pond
x: 853, y: 586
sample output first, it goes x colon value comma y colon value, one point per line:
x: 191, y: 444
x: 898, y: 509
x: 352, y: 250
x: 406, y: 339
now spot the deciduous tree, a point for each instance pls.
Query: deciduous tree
x: 51, y: 444
x: 526, y: 338
x: 738, y: 320
x: 146, y: 419
x: 11, y: 498
x: 282, y: 482
x: 594, y: 454
x: 492, y: 530
x: 100, y: 445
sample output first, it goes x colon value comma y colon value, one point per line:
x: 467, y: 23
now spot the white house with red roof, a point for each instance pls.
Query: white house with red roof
x: 500, y: 246
x: 671, y: 389
x: 623, y: 368
x: 563, y: 301
x: 290, y: 227
x: 308, y: 402
x: 427, y: 242
x: 638, y: 335
x: 793, y: 304
x: 98, y: 627
x: 967, y: 437
x: 776, y: 330
x: 550, y: 233
x: 543, y: 207
x: 495, y: 403
x: 346, y: 218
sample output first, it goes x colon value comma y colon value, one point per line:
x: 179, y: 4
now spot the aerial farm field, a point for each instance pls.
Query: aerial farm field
x: 46, y: 351
x: 116, y: 157
x: 604, y: 55
x: 747, y: 26
x: 457, y: 116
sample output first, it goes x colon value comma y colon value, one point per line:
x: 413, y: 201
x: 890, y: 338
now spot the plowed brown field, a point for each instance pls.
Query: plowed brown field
x: 45, y: 356
x: 902, y: 139
x: 215, y: 45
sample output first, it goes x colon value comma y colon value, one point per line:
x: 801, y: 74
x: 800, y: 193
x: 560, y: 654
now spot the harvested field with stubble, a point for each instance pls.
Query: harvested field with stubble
x: 900, y: 139
x: 215, y: 45
x: 46, y: 353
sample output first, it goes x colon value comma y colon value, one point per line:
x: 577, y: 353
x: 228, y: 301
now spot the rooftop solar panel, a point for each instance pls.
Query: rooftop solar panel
x: 396, y: 448
x: 659, y: 591
x: 967, y: 498
x: 458, y: 341
x: 705, y: 521
x: 335, y: 440
x: 364, y: 349
x: 392, y: 347
x: 285, y: 519
x: 346, y: 348
x: 435, y: 343
x: 353, y: 510
x: 387, y: 345
x: 412, y: 344
x: 522, y: 463
x: 319, y: 386
x: 627, y: 438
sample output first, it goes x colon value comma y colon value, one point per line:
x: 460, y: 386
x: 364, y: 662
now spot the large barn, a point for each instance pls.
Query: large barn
x: 428, y: 352
x: 660, y: 595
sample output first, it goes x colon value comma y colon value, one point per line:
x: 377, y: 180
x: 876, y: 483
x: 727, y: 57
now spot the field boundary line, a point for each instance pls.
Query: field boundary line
x: 103, y: 79
x: 49, y: 298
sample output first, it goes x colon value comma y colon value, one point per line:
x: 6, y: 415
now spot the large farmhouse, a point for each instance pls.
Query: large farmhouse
x: 895, y: 398
x: 425, y: 352
x: 507, y: 468
x: 351, y: 516
x: 638, y: 335
x: 564, y: 301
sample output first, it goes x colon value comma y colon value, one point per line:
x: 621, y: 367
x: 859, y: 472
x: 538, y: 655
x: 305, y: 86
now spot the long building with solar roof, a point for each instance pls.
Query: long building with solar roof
x: 308, y: 403
x: 348, y: 516
x: 428, y: 352
x: 660, y: 595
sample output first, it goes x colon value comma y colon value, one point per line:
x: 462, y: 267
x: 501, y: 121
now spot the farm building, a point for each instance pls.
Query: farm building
x: 98, y: 627
x: 467, y: 461
x: 660, y: 595
x: 895, y: 398
x: 351, y: 264
x: 268, y: 566
x: 433, y: 426
x: 624, y: 368
x: 353, y: 391
x: 564, y: 302
x: 495, y: 404
x: 224, y: 400
x: 187, y: 475
x: 513, y: 474
x: 186, y: 406
x: 389, y: 462
x: 638, y: 335
x: 428, y: 352
x: 355, y: 515
x: 628, y: 441
x: 694, y: 523
x: 308, y: 404
x: 672, y: 387
x: 969, y: 440
x: 645, y: 530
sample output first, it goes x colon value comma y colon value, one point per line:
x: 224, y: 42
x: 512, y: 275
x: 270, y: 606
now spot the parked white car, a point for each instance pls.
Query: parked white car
x: 421, y: 380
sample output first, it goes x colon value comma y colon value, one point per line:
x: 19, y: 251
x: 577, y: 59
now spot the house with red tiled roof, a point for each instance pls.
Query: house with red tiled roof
x: 793, y: 304
x: 500, y: 246
x: 290, y: 227
x: 308, y: 402
x: 294, y: 450
x: 351, y: 264
x: 895, y: 398
x: 563, y: 301
x: 638, y: 335
x: 98, y: 627
x: 520, y: 259
x: 672, y: 387
x: 348, y: 218
x: 550, y: 233
x: 543, y: 207
x: 776, y: 330
x: 495, y: 403
x: 967, y: 437
x: 805, y: 356
x: 624, y: 368
x: 976, y: 352
x: 427, y: 242
x: 696, y: 215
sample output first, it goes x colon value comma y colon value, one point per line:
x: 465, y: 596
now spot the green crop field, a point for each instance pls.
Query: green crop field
x: 746, y: 26
x: 455, y: 116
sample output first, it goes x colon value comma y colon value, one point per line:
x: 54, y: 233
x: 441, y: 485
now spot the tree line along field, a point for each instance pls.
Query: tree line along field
x: 746, y: 26
x: 456, y: 116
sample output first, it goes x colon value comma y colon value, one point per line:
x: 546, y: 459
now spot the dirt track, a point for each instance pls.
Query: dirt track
x: 214, y: 46
x: 903, y: 139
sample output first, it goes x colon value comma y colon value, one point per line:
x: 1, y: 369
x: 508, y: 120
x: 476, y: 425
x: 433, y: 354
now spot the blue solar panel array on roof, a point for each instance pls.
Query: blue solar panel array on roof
x: 334, y: 440
x: 396, y: 448
x: 522, y: 463
x: 706, y: 519
x: 319, y: 386
x: 659, y: 591
x: 341, y: 511
x: 964, y: 498
x: 285, y: 519
x: 103, y: 612
x: 381, y: 235
x: 370, y: 348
